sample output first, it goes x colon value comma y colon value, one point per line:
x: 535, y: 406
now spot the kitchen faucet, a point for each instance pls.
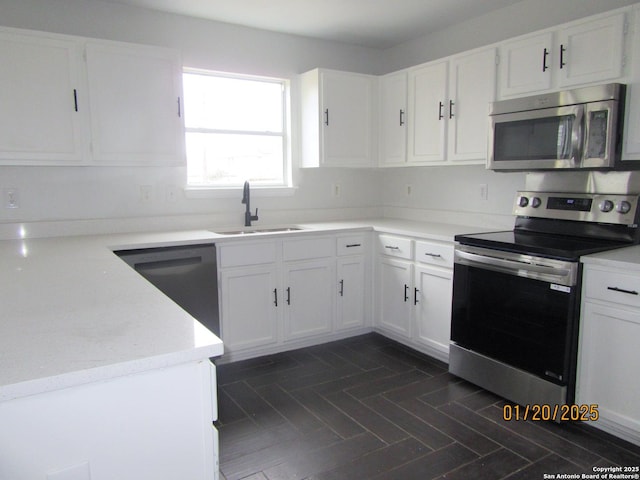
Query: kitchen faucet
x: 246, y: 199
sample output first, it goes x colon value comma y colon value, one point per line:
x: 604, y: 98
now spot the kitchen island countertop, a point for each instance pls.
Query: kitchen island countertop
x: 71, y: 312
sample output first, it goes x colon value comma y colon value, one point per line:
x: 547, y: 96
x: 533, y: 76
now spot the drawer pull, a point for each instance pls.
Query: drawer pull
x: 351, y: 245
x: 390, y: 247
x: 433, y: 255
x: 622, y: 290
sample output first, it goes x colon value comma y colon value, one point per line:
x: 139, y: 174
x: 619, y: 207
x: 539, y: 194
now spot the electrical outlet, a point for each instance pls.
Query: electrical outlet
x: 145, y: 193
x: 484, y: 191
x: 408, y: 189
x: 11, y: 198
x: 171, y: 193
x: 336, y: 189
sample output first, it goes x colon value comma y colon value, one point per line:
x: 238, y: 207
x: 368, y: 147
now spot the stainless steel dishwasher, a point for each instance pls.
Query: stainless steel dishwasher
x: 186, y: 274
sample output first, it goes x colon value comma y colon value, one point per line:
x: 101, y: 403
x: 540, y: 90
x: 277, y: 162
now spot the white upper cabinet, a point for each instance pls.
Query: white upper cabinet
x: 579, y: 53
x: 472, y: 86
x: 393, y: 119
x: 135, y: 99
x: 436, y: 113
x: 39, y: 87
x: 428, y: 110
x: 337, y: 119
x: 591, y: 51
x: 74, y: 101
x: 525, y: 65
x: 631, y: 137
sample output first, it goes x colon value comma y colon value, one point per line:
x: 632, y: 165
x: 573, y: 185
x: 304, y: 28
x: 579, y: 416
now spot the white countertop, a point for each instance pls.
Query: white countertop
x: 71, y: 312
x: 627, y: 258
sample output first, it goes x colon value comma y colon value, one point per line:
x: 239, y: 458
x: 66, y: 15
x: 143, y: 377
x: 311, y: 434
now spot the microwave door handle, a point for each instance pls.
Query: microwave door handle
x: 577, y: 135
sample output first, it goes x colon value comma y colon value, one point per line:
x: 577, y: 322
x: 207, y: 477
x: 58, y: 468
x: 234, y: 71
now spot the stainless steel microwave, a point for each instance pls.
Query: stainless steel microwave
x: 572, y: 129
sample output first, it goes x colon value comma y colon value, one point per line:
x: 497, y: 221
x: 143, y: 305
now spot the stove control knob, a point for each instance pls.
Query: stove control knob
x: 536, y: 202
x: 523, y: 201
x: 606, y: 206
x: 623, y: 207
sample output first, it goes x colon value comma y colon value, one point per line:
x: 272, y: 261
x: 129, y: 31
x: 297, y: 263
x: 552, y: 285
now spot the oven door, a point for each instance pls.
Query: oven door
x: 518, y: 310
x: 542, y: 139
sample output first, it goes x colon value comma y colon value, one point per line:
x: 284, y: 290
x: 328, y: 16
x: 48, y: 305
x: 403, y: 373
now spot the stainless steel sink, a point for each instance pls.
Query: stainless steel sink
x: 250, y: 231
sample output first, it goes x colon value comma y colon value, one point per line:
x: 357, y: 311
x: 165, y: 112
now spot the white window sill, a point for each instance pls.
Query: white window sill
x: 229, y: 192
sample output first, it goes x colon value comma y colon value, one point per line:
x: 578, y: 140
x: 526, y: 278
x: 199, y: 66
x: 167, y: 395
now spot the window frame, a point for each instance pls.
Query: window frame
x: 284, y: 188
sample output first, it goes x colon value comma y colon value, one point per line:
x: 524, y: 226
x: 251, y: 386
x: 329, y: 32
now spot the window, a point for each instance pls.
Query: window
x: 236, y: 130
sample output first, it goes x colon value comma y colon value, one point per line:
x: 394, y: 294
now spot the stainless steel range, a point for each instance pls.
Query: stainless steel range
x: 516, y: 294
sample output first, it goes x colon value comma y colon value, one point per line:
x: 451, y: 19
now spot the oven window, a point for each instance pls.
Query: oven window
x: 521, y: 322
x: 546, y: 138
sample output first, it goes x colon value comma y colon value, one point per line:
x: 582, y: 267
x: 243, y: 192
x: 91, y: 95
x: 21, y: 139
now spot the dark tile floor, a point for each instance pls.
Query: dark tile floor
x: 368, y: 408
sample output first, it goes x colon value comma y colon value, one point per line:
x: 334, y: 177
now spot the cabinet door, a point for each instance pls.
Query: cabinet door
x: 135, y: 95
x: 394, y: 296
x: 428, y: 112
x: 432, y: 297
x: 350, y: 299
x: 39, y: 87
x: 249, y: 303
x: 308, y: 297
x: 393, y: 119
x: 526, y: 65
x: 631, y: 137
x: 608, y: 353
x: 347, y: 113
x: 472, y: 85
x: 591, y: 51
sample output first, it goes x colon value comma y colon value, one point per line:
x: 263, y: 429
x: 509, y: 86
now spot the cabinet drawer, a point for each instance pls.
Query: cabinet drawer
x: 613, y: 287
x: 306, y: 248
x: 395, y: 246
x: 351, y: 245
x: 240, y: 255
x: 433, y: 253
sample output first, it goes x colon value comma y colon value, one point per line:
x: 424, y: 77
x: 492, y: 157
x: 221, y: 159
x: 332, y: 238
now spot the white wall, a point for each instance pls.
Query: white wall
x: 76, y: 193
x: 73, y: 193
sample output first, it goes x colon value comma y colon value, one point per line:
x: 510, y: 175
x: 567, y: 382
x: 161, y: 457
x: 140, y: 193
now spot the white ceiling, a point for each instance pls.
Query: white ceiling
x: 372, y: 23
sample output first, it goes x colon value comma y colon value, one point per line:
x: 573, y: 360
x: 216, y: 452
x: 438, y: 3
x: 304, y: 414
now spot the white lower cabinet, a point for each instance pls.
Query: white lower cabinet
x: 432, y: 297
x: 249, y: 305
x: 154, y: 424
x: 296, y: 291
x: 414, y: 289
x: 608, y: 350
x: 309, y: 304
x: 350, y: 308
x: 394, y: 289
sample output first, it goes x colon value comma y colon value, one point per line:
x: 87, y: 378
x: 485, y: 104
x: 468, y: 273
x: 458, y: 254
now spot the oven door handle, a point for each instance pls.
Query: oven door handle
x: 549, y: 273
